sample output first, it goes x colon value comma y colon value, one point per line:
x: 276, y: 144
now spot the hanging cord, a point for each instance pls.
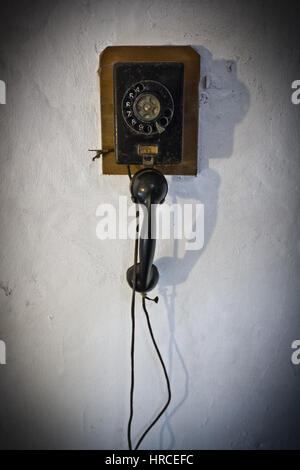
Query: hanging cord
x: 164, y: 369
x: 133, y: 329
x: 144, y: 297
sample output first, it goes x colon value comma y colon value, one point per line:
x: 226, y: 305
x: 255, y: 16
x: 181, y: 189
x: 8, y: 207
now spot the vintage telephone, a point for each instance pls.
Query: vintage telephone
x: 149, y: 111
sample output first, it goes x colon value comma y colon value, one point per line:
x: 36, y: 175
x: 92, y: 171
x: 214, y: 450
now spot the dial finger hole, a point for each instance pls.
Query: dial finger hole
x: 139, y: 88
x: 163, y: 121
x: 168, y: 113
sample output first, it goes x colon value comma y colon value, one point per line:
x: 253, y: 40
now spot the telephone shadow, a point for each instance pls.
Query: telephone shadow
x: 223, y: 102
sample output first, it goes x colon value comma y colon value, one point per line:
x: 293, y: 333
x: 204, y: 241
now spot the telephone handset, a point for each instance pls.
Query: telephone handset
x: 148, y: 114
x: 148, y: 187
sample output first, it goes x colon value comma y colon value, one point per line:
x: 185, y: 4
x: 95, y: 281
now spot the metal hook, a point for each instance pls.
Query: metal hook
x: 99, y: 152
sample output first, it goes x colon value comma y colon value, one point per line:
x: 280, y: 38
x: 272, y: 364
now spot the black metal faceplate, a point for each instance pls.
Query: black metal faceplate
x: 139, y: 140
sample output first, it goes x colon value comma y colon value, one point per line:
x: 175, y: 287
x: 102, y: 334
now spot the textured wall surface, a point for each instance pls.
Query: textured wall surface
x: 227, y: 314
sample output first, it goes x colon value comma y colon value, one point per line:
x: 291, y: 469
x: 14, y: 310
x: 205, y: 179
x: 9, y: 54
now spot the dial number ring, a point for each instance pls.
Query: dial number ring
x: 146, y: 105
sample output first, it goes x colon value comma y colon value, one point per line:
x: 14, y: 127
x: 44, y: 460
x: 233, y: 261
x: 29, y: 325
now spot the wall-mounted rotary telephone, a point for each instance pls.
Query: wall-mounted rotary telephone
x: 149, y: 109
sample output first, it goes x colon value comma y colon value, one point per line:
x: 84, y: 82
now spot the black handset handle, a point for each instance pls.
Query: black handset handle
x: 147, y: 187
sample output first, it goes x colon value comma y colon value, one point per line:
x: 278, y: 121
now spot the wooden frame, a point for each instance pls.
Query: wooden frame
x: 191, y: 60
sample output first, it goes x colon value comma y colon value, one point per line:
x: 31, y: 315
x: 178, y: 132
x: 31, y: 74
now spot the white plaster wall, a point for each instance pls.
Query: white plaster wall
x: 228, y: 314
